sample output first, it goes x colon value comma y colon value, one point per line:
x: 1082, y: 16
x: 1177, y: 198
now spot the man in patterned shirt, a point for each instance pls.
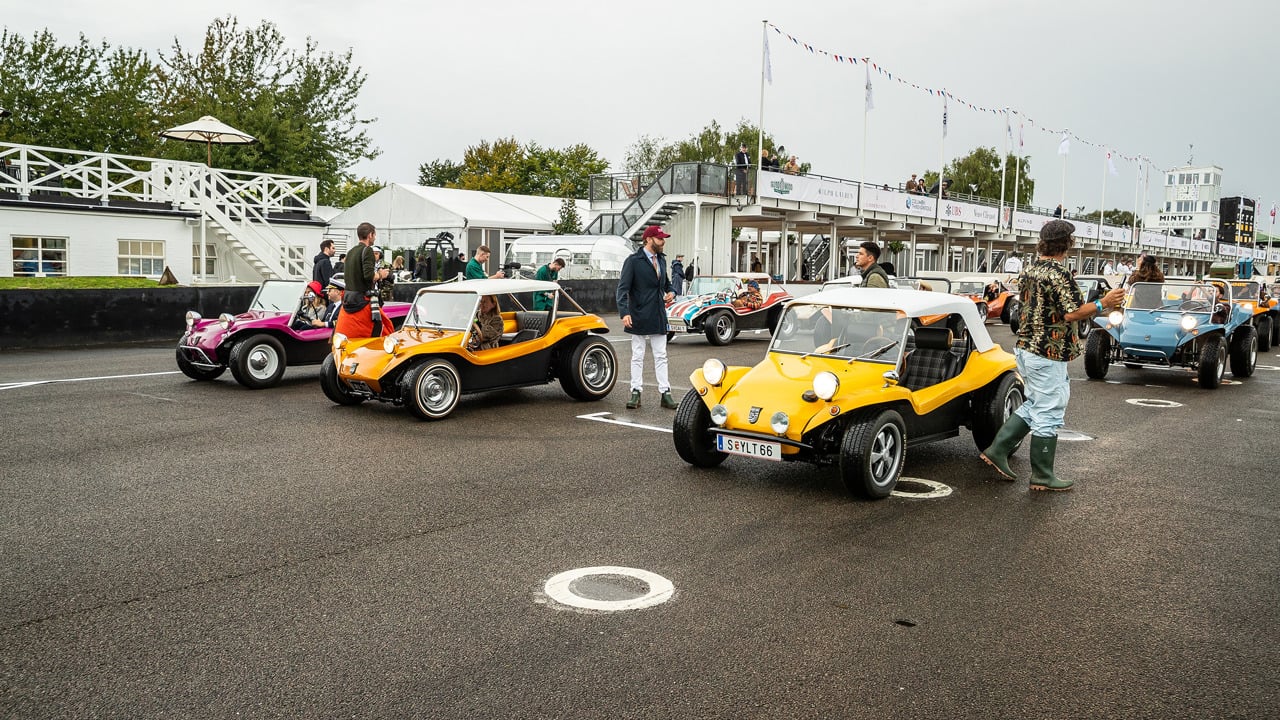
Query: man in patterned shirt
x: 1047, y: 341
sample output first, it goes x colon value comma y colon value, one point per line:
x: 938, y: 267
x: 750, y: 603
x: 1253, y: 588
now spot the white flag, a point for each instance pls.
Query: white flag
x: 1111, y: 164
x: 870, y: 104
x: 768, y: 62
x: 1064, y: 147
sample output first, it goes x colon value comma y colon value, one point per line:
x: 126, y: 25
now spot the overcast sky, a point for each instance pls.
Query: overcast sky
x: 1149, y: 77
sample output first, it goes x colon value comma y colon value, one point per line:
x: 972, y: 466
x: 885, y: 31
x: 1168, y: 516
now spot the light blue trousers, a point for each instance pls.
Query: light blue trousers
x: 1048, y: 391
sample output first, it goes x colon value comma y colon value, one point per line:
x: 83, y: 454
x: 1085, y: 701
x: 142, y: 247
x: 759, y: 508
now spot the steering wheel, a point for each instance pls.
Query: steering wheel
x: 1194, y: 306
x: 873, y: 344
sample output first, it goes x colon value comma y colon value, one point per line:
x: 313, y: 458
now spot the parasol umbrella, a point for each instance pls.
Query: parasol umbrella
x: 209, y: 130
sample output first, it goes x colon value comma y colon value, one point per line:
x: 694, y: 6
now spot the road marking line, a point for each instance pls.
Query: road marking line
x: 558, y: 588
x: 29, y: 383
x: 600, y: 417
x: 153, y: 397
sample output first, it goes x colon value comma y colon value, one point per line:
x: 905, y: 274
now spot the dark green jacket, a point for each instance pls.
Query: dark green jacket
x: 358, y: 271
x: 544, y: 300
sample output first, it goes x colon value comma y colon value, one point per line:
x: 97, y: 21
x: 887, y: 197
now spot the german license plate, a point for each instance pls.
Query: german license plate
x: 749, y: 448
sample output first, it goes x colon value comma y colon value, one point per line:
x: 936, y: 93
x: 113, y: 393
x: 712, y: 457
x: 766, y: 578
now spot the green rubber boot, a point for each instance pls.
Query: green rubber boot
x: 1043, y: 450
x: 1007, y: 439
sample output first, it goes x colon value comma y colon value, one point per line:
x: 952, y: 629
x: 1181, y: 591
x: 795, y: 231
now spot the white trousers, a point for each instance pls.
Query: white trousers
x: 659, y: 343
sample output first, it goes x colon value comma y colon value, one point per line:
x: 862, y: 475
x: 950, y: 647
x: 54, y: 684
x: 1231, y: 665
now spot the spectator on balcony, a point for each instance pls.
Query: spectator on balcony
x: 741, y: 164
x: 1058, y: 212
x: 792, y: 167
x: 913, y: 185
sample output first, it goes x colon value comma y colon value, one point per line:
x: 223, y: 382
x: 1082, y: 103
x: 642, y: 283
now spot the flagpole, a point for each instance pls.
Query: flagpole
x: 1003, y: 167
x: 1017, y: 179
x: 1102, y: 205
x: 764, y: 72
x: 866, y: 96
x: 1137, y: 183
x: 1063, y: 201
x: 942, y: 162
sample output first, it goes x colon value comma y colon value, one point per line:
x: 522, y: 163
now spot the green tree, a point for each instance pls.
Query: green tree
x: 301, y: 105
x: 710, y: 144
x: 569, y: 222
x: 1121, y: 218
x: 564, y: 172
x: 981, y: 167
x: 493, y: 167
x: 79, y: 96
x: 352, y: 191
x: 439, y: 173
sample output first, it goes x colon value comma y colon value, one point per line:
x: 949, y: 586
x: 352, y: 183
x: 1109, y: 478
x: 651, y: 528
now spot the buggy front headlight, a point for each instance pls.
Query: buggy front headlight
x: 826, y: 385
x: 713, y: 371
x: 1115, y: 318
x: 339, y: 341
x: 780, y: 422
x: 1189, y: 322
x: 719, y: 414
x: 390, y: 344
x: 193, y: 317
x: 225, y: 320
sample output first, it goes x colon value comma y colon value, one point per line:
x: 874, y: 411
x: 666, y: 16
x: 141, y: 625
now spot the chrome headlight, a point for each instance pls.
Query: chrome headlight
x: 719, y: 414
x: 1189, y: 322
x: 826, y: 385
x: 390, y: 344
x: 193, y: 317
x: 713, y: 371
x: 225, y: 320
x: 1116, y: 317
x: 339, y: 341
x: 780, y: 422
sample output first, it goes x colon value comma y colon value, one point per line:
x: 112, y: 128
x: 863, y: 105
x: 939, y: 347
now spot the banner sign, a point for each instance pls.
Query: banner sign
x: 1228, y: 250
x: 896, y: 201
x: 1179, y: 243
x: 1201, y: 246
x: 808, y: 189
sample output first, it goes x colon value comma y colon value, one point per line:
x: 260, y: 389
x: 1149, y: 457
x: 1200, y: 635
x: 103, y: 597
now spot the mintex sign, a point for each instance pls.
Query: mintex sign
x: 1176, y: 221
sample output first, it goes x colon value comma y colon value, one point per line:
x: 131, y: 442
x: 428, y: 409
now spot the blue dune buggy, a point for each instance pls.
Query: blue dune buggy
x: 1176, y: 324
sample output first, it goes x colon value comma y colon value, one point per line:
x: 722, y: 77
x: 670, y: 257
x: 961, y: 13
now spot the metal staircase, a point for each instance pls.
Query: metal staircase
x: 653, y: 204
x: 817, y: 255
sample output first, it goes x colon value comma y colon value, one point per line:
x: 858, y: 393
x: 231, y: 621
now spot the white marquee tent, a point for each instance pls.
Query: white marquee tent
x: 406, y: 215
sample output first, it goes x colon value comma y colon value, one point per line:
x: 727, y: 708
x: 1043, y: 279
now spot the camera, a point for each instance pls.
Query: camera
x: 512, y: 269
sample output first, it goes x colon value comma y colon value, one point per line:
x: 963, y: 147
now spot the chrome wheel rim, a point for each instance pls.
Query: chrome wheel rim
x: 1011, y: 402
x: 886, y: 455
x: 723, y: 329
x: 597, y: 369
x: 437, y: 390
x: 263, y: 362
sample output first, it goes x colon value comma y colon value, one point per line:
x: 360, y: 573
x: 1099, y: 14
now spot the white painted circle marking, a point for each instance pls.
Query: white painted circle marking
x: 1148, y: 402
x: 939, y: 490
x: 660, y: 589
x: 1073, y: 436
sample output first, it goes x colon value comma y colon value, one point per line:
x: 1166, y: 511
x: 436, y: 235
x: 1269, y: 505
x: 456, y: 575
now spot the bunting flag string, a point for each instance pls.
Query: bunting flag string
x: 1064, y: 134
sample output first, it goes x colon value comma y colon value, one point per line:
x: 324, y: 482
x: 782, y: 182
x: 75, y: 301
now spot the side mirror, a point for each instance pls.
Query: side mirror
x: 890, y: 378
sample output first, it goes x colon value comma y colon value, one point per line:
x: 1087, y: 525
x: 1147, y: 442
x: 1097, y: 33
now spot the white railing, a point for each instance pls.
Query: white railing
x: 33, y: 172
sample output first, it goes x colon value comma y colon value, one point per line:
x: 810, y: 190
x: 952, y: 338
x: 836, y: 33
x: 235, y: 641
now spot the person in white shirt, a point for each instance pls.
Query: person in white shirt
x: 1013, y: 263
x: 1109, y: 268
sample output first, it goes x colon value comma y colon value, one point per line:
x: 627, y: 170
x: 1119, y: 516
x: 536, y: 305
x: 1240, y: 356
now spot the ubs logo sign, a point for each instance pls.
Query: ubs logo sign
x: 953, y: 210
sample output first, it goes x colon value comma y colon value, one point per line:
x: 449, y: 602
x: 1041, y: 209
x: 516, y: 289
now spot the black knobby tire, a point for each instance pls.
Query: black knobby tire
x: 1084, y: 327
x: 197, y: 373
x: 720, y: 328
x: 1275, y: 329
x: 258, y: 361
x: 333, y: 387
x: 1213, y: 362
x: 993, y: 406
x: 589, y: 371
x: 872, y: 453
x: 775, y: 315
x: 1264, y: 333
x: 1097, y: 354
x: 1244, y: 351
x: 431, y: 389
x: 982, y: 311
x: 694, y: 444
x: 670, y: 336
x: 1009, y: 314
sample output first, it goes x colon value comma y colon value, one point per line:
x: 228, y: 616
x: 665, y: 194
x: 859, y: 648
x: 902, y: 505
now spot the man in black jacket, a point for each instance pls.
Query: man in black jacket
x: 644, y: 289
x: 322, y: 265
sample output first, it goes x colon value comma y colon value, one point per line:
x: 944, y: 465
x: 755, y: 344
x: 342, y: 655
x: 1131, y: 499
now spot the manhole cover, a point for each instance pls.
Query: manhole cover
x: 1148, y: 402
x: 609, y: 588
x: 920, y: 489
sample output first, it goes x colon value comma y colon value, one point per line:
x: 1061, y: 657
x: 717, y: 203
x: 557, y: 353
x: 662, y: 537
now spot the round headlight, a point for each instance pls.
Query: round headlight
x: 1116, y: 317
x: 1189, y: 322
x: 339, y: 341
x: 713, y: 371
x: 193, y: 317
x: 780, y: 422
x: 719, y: 414
x: 225, y: 320
x: 826, y: 385
x: 390, y: 344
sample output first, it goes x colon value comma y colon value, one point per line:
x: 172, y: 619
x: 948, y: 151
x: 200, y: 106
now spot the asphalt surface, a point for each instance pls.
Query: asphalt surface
x: 172, y: 548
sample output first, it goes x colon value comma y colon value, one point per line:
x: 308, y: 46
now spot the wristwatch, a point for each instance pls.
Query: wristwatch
x: 1098, y: 304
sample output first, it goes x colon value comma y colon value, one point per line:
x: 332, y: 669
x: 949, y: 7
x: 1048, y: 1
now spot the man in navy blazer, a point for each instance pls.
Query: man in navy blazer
x: 644, y: 289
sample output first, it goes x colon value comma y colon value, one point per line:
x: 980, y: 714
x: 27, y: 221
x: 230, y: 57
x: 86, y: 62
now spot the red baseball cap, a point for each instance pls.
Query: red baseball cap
x: 315, y: 287
x: 653, y: 231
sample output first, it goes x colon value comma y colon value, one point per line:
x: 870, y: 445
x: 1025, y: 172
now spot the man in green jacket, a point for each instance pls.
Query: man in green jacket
x: 550, y: 272
x: 475, y: 266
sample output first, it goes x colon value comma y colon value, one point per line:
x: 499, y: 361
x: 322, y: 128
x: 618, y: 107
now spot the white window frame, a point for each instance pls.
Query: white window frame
x: 42, y: 261
x: 145, y: 256
x: 210, y: 259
